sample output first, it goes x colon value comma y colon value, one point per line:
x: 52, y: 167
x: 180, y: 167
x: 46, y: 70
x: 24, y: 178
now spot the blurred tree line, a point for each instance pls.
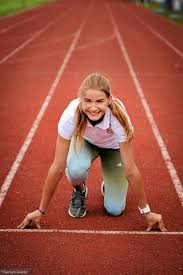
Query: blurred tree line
x: 167, y: 4
x: 24, y: 4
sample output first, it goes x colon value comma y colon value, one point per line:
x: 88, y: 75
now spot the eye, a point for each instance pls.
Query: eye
x: 100, y: 100
x: 87, y: 100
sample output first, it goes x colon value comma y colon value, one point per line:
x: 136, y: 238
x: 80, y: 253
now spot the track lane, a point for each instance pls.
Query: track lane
x: 161, y: 80
x: 38, y: 70
x: 4, y: 30
x: 170, y: 30
x: 90, y: 255
x: 115, y: 66
x: 164, y: 152
x: 11, y: 46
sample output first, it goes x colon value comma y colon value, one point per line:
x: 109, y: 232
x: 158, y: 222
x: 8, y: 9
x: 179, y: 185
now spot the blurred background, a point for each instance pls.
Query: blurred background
x: 8, y: 7
x: 171, y: 9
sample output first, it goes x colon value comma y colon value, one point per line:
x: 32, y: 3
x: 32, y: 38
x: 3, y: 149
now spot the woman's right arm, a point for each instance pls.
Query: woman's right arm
x: 54, y: 175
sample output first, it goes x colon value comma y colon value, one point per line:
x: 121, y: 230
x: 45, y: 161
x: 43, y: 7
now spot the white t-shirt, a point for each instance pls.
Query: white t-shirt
x: 101, y: 135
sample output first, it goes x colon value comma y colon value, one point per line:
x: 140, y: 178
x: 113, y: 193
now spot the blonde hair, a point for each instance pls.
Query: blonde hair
x: 99, y: 82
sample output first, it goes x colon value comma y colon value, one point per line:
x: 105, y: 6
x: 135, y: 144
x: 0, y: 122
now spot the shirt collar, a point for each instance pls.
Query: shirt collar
x: 105, y: 123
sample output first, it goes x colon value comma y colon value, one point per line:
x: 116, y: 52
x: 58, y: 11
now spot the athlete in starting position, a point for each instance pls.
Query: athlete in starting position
x: 95, y: 124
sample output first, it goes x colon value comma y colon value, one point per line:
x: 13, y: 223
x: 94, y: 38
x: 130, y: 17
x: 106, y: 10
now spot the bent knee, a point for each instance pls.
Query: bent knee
x: 77, y: 170
x: 76, y: 173
x: 113, y: 209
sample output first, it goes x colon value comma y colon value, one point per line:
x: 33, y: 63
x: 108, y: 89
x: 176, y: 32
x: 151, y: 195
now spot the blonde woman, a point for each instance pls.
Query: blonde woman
x: 95, y: 125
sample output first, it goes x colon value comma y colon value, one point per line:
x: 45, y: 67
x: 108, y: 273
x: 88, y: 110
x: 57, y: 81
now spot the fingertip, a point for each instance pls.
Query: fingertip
x: 38, y: 226
x: 162, y: 228
x: 19, y: 226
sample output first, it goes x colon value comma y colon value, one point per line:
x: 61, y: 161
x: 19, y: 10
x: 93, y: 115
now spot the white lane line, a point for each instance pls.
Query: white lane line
x: 28, y: 139
x: 157, y: 34
x: 166, y: 156
x: 166, y: 21
x: 53, y: 53
x: 37, y: 34
x: 96, y: 43
x: 28, y: 41
x: 56, y: 41
x: 2, y: 31
x: 126, y: 74
x: 37, y: 57
x: 89, y: 232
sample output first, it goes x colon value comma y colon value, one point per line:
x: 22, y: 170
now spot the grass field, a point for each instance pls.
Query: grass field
x: 12, y: 6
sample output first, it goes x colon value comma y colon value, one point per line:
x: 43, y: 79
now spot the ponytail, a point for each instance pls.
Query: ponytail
x: 119, y: 111
x: 81, y: 122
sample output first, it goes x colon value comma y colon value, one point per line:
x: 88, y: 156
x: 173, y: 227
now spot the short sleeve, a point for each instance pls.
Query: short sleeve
x: 67, y: 122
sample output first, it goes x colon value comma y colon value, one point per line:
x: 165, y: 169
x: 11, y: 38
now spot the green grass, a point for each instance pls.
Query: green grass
x: 12, y: 6
x: 159, y: 8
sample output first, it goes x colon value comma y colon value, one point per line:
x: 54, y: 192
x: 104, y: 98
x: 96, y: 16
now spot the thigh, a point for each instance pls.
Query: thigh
x: 81, y: 155
x: 116, y: 184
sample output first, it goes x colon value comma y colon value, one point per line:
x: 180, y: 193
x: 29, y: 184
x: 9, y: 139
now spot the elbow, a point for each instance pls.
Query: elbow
x: 57, y: 170
x: 131, y: 172
x: 128, y: 174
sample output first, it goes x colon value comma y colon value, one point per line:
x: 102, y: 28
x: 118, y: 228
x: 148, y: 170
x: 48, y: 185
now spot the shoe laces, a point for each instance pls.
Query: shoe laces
x: 78, y: 199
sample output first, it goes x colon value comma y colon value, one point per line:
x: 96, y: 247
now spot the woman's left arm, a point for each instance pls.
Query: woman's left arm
x: 134, y: 177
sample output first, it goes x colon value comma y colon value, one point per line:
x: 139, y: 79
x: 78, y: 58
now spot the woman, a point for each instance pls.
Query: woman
x: 95, y: 124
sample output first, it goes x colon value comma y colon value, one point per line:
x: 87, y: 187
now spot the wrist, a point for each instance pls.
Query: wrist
x: 41, y: 211
x: 145, y: 210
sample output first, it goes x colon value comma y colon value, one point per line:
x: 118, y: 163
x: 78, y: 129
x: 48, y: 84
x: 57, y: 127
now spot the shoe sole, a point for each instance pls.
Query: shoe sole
x: 84, y: 214
x: 102, y: 188
x: 70, y: 214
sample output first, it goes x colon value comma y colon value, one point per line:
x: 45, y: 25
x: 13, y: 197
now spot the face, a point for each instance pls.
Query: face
x: 94, y: 103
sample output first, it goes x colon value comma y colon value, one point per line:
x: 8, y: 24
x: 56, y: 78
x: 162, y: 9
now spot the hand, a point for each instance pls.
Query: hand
x: 32, y: 219
x: 155, y: 221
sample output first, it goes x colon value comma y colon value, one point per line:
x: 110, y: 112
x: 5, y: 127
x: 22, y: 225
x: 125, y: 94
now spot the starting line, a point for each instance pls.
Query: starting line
x: 88, y: 232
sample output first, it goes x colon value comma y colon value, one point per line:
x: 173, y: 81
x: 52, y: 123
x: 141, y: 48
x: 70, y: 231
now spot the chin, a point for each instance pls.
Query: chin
x: 92, y: 117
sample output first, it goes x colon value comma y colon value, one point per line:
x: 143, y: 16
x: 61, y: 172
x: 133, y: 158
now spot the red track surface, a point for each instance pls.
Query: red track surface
x: 26, y: 78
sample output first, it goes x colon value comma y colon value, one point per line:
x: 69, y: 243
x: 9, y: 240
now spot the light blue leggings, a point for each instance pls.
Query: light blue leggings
x: 79, y: 161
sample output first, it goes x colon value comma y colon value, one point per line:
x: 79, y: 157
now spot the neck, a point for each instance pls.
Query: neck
x: 95, y: 122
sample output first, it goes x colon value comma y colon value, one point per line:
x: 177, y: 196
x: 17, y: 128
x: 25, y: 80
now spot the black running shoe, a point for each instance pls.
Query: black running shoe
x: 77, y: 204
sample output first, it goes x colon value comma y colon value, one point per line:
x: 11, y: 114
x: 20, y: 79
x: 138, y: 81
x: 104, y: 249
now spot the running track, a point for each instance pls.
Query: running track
x: 44, y: 55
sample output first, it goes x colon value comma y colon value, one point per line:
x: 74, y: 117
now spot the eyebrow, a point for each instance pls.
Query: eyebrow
x: 96, y: 100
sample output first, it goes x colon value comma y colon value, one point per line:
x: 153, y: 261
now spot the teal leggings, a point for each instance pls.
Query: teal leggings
x: 79, y: 161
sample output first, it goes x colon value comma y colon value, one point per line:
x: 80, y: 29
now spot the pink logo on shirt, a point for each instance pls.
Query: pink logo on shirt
x: 109, y: 130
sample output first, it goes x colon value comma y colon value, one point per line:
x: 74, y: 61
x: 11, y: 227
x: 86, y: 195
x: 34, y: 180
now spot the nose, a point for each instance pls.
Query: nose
x: 93, y: 106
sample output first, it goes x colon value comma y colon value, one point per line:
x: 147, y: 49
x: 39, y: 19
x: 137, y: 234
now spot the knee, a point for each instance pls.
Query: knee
x: 114, y: 209
x: 76, y: 171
